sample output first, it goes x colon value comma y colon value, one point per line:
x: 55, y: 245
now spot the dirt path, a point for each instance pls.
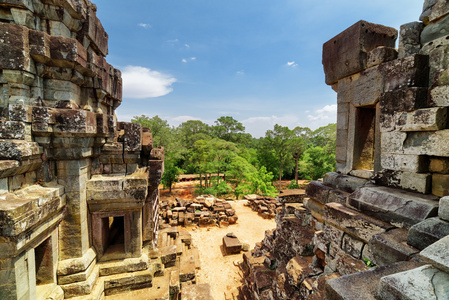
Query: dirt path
x: 218, y: 270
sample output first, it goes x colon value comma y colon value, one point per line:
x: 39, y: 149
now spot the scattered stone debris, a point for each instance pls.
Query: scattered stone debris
x: 205, y: 210
x: 266, y: 207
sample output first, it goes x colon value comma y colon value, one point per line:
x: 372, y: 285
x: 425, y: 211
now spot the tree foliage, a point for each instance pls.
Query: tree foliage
x: 232, y: 161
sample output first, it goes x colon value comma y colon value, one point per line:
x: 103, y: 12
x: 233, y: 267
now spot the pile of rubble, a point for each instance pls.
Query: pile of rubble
x: 268, y: 207
x: 205, y: 210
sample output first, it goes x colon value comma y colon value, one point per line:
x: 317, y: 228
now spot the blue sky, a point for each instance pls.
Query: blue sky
x: 258, y: 61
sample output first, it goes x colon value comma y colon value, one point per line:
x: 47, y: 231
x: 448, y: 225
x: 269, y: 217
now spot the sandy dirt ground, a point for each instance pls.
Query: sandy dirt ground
x: 221, y: 271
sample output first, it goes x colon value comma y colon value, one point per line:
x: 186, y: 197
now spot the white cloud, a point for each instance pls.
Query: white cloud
x: 184, y: 60
x: 257, y: 126
x: 193, y: 58
x: 328, y: 112
x: 144, y: 25
x: 292, y: 64
x: 140, y: 82
x: 172, y: 42
x: 187, y: 45
x: 241, y: 72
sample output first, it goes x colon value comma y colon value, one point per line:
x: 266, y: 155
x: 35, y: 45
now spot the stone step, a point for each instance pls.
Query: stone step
x: 119, y: 283
x: 425, y: 282
x: 363, y: 285
x: 168, y: 255
x: 401, y: 208
x: 390, y: 247
x: 437, y: 254
x: 427, y: 232
x: 123, y: 266
x: 96, y: 294
x: 353, y: 222
x: 83, y: 287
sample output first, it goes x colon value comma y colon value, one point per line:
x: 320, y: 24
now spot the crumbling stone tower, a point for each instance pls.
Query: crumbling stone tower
x: 77, y: 188
x: 377, y: 228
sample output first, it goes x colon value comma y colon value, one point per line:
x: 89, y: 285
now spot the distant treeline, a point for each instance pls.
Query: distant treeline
x: 249, y: 164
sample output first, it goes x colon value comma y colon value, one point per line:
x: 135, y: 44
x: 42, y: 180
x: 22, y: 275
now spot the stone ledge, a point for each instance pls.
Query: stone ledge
x: 401, y: 208
x: 362, y: 285
x: 353, y: 222
x: 424, y: 282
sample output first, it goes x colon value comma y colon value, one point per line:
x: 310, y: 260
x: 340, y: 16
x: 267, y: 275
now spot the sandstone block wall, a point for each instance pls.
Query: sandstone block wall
x: 78, y: 189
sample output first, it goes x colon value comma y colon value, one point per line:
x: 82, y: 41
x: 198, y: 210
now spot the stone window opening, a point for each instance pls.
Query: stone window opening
x: 43, y: 259
x: 365, y: 138
x: 114, y: 246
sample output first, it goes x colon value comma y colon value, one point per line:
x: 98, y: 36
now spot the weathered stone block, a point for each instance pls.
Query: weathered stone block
x: 415, y: 182
x: 424, y: 282
x: 436, y: 254
x: 317, y: 191
x: 344, y: 183
x: 433, y: 10
x: 349, y: 287
x: 427, y: 143
x: 352, y: 246
x: 401, y: 208
x: 14, y: 50
x: 427, y: 232
x: 440, y: 185
x: 403, y: 100
x: 367, y: 87
x: 67, y: 52
x: 352, y: 222
x: 380, y: 55
x: 346, y: 54
x: 426, y: 119
x: 393, y: 142
x: 443, y: 209
x: 411, y: 71
x: 401, y: 162
x: 409, y: 39
x: 390, y: 247
x: 78, y: 122
x: 439, y: 96
x: 439, y: 165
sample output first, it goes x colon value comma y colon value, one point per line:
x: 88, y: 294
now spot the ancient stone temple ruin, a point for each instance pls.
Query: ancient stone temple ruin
x: 78, y: 189
x: 375, y: 229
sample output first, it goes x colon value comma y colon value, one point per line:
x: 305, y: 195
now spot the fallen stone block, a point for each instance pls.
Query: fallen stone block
x: 231, y: 244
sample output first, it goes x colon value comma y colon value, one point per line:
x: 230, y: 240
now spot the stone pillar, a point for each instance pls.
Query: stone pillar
x: 74, y: 236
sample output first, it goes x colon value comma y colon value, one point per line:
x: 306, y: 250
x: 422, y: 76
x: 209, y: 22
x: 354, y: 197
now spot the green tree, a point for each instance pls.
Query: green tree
x: 299, y: 145
x: 317, y: 161
x: 231, y: 130
x: 279, y: 141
